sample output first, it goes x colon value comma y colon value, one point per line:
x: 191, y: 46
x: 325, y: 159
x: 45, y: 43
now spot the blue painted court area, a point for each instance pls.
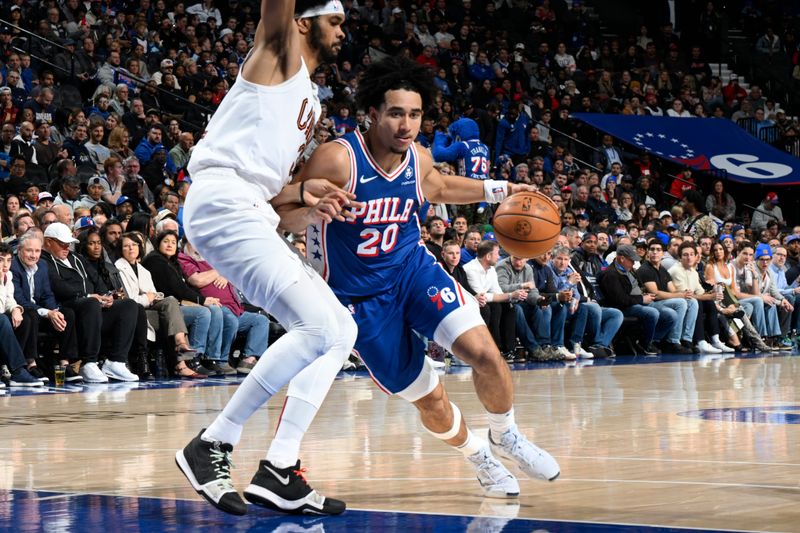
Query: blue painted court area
x: 787, y: 414
x: 29, y: 511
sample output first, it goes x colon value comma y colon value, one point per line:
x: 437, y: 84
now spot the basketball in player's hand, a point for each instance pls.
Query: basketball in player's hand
x: 527, y: 224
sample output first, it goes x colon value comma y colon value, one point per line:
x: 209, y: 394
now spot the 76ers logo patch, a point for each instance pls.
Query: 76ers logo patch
x: 446, y: 295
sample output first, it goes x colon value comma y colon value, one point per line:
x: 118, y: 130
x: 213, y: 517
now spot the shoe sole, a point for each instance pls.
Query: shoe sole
x: 184, y: 467
x: 262, y: 497
x: 110, y: 375
x: 36, y: 383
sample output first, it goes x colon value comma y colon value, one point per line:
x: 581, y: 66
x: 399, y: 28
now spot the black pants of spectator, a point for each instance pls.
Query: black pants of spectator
x: 28, y: 334
x: 10, y: 351
x: 501, y: 318
x: 707, y: 321
x: 139, y: 344
x: 115, y: 324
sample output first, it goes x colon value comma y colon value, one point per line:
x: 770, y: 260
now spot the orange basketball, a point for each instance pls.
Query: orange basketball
x: 527, y: 224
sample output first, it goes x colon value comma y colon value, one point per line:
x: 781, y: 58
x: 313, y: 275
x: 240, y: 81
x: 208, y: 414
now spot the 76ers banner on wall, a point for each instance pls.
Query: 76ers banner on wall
x: 703, y: 144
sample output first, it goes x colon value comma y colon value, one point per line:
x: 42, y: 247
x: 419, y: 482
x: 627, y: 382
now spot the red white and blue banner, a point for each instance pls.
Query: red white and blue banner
x: 710, y: 144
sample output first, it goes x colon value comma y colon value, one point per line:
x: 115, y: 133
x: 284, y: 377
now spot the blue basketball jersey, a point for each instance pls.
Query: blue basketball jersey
x: 474, y: 161
x: 366, y: 256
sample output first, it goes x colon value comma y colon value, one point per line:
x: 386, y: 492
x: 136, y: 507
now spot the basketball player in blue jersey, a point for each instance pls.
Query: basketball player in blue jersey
x: 462, y: 145
x: 240, y: 170
x: 396, y: 290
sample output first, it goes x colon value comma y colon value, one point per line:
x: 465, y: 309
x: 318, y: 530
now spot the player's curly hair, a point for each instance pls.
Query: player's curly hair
x: 391, y: 74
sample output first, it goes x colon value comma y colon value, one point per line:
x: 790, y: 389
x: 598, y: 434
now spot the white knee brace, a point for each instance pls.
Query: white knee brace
x: 453, y: 431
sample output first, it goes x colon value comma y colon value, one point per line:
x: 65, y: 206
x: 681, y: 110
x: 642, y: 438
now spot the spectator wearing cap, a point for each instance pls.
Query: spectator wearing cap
x: 767, y: 210
x: 95, y: 189
x: 125, y: 207
x: 81, y: 225
x: 777, y: 308
x: 69, y: 193
x: 41, y: 311
x: 622, y: 290
x: 792, y: 243
x: 102, y: 316
x: 44, y: 200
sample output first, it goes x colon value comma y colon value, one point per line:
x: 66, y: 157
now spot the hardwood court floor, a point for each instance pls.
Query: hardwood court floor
x: 678, y: 442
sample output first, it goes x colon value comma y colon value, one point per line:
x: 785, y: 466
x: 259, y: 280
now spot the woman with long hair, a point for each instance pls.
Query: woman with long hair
x: 118, y: 141
x: 720, y: 272
x: 139, y: 286
x: 640, y: 216
x: 721, y: 202
x: 202, y: 314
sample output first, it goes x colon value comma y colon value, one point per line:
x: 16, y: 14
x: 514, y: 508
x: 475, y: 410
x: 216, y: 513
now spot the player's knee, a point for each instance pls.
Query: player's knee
x: 320, y: 331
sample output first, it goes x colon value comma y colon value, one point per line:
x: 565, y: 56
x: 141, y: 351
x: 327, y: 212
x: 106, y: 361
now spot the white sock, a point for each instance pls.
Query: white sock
x: 227, y: 427
x: 715, y: 340
x: 500, y: 423
x: 472, y: 445
x: 296, y: 418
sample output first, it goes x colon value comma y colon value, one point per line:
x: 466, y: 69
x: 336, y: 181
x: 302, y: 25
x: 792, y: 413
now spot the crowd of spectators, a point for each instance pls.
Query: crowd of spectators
x: 102, y: 101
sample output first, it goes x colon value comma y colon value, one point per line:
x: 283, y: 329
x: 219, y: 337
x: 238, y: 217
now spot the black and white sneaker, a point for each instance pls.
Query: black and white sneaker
x: 286, y: 490
x: 207, y: 466
x: 36, y: 372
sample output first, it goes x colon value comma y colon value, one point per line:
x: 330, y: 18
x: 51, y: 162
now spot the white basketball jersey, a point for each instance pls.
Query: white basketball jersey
x: 260, y: 131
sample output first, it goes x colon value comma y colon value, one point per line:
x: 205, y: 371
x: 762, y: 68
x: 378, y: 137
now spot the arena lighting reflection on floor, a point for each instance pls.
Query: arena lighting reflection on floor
x: 53, y: 512
x: 149, y: 384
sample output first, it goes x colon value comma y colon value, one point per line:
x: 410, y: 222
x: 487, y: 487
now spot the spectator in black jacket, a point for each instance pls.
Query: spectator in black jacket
x: 79, y: 288
x: 621, y: 289
x: 41, y: 311
x: 202, y: 314
x: 451, y: 259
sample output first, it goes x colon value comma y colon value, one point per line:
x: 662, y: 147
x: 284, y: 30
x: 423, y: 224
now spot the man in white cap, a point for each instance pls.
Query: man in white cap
x: 78, y: 288
x: 240, y: 171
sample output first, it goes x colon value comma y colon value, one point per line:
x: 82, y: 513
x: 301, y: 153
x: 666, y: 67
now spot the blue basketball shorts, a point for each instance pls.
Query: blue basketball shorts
x: 424, y: 302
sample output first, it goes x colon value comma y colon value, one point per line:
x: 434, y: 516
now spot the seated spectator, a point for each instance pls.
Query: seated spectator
x: 788, y: 286
x: 679, y: 305
x: 514, y: 273
x: 482, y: 277
x: 747, y: 290
x: 685, y: 278
x: 202, y: 314
x: 236, y: 319
x: 11, y: 317
x: 721, y: 272
x: 41, y: 312
x: 470, y: 249
x: 139, y: 287
x: 102, y: 317
x: 566, y: 281
x: 773, y: 301
x: 553, y: 308
x: 622, y: 290
x: 451, y: 261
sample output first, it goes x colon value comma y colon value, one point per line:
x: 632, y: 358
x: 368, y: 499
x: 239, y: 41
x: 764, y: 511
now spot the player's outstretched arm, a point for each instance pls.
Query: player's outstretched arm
x: 324, y: 198
x: 444, y: 189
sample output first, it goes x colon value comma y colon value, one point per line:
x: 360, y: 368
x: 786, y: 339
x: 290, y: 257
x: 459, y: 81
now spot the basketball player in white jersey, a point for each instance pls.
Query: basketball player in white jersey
x: 242, y: 164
